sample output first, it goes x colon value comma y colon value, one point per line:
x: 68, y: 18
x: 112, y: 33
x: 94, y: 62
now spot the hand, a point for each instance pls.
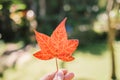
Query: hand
x: 60, y: 75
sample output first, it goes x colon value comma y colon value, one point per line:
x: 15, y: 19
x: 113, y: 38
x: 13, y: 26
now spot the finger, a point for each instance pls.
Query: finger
x: 64, y: 71
x: 59, y: 75
x: 69, y: 76
x: 49, y: 76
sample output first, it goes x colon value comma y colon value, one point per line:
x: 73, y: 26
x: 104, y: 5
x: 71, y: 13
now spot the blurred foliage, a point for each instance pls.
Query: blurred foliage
x: 87, y: 19
x: 17, y: 22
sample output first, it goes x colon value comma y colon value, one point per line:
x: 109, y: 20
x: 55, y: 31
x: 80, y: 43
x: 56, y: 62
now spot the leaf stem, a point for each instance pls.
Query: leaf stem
x: 56, y: 64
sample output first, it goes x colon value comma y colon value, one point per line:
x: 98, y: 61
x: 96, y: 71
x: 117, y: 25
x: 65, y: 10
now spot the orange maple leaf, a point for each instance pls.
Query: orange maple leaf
x: 57, y: 45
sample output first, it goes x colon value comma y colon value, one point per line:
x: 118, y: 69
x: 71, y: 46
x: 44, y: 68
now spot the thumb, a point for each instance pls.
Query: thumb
x: 59, y: 75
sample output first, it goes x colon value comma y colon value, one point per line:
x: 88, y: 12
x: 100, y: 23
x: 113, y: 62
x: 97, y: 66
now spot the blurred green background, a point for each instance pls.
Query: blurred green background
x: 87, y: 21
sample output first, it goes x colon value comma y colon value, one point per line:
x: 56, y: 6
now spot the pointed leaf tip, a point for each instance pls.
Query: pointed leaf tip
x: 64, y: 20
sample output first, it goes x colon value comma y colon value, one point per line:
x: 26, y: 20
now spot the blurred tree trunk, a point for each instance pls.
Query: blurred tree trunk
x: 42, y: 11
x: 111, y: 38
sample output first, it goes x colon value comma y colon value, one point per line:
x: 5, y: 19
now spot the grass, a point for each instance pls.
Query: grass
x: 88, y: 65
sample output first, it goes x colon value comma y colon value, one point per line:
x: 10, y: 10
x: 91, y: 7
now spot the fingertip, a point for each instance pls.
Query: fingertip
x: 69, y: 76
x: 59, y: 75
x: 64, y: 71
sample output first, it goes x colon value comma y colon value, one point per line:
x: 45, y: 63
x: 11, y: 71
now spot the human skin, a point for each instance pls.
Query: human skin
x: 62, y: 74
